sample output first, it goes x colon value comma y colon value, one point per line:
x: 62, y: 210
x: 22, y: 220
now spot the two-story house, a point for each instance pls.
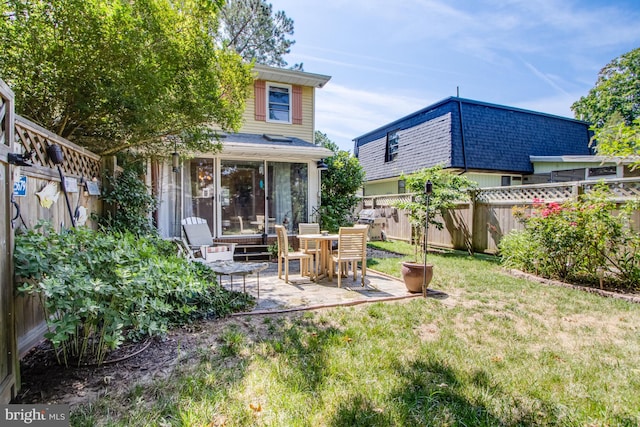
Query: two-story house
x: 492, y: 144
x: 266, y: 174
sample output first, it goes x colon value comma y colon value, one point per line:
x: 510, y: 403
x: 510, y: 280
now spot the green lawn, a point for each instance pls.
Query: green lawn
x: 497, y: 350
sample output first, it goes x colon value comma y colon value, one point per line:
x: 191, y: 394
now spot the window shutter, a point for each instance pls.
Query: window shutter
x: 260, y: 100
x: 296, y: 105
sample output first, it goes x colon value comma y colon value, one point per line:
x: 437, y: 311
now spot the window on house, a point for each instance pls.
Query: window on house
x: 401, y: 186
x: 505, y: 180
x: 279, y: 103
x: 392, y: 146
x: 602, y: 171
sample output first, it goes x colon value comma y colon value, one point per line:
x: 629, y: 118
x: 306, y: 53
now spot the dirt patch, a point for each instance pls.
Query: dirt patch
x: 46, y: 382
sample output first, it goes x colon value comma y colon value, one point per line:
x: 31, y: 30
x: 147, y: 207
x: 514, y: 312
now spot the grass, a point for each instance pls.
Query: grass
x: 496, y: 351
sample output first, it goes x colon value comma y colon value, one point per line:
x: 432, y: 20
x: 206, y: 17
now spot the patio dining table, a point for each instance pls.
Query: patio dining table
x: 323, y: 242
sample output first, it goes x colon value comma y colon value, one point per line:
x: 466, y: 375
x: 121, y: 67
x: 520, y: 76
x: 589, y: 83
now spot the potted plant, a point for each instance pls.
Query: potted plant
x: 273, y: 251
x: 434, y: 191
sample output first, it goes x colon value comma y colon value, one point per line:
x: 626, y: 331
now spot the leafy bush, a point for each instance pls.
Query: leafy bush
x: 585, y: 240
x: 100, y: 289
x: 131, y: 204
x: 340, y: 184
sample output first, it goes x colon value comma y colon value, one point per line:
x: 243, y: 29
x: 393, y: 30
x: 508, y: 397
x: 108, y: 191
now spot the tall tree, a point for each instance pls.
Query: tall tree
x: 617, y: 90
x: 117, y: 74
x: 613, y: 108
x: 253, y: 30
x: 323, y: 140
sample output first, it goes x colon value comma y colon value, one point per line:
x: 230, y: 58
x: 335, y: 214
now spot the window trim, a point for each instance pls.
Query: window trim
x: 289, y: 89
x: 390, y: 155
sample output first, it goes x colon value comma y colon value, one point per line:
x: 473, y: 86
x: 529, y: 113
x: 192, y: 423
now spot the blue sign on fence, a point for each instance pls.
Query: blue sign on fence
x: 20, y: 186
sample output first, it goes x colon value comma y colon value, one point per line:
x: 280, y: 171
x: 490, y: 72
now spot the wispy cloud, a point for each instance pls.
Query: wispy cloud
x: 545, y: 77
x: 344, y: 113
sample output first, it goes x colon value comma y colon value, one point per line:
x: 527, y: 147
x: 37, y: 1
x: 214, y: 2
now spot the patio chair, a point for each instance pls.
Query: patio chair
x: 310, y: 247
x: 284, y: 255
x: 352, y: 248
x: 200, y: 241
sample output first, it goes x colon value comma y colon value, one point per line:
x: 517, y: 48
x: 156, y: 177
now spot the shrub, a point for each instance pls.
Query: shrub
x: 131, y: 204
x: 580, y: 240
x: 99, y: 289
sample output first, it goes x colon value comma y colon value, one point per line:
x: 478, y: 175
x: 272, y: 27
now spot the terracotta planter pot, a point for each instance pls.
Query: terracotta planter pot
x: 413, y: 273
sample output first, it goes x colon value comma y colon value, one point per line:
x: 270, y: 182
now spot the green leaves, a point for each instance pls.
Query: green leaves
x: 617, y: 138
x: 616, y: 91
x: 613, y: 108
x: 132, y: 204
x: 111, y: 75
x: 99, y: 289
x: 340, y: 183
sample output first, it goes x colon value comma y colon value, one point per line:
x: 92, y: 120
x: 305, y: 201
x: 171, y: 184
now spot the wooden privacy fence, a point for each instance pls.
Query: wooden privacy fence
x: 478, y: 225
x: 9, y: 362
x: 79, y: 167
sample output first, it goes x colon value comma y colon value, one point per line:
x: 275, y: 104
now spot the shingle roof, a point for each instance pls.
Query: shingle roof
x: 480, y: 136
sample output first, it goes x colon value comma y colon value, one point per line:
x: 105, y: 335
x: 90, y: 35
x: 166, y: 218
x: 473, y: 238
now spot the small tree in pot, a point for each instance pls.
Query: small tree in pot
x: 422, y: 209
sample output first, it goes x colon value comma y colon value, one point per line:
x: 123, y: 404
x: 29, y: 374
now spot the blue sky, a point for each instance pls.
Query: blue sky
x: 389, y: 58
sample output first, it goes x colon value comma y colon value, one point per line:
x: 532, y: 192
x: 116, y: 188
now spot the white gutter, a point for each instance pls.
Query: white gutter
x: 583, y: 159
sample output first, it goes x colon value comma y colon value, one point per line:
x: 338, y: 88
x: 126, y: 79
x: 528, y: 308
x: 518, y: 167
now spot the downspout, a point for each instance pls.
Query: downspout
x: 464, y: 155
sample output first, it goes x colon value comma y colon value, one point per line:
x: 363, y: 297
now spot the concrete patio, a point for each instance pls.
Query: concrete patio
x: 302, y: 293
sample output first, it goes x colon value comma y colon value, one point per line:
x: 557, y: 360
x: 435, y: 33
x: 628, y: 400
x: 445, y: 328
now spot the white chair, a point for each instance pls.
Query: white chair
x: 200, y: 240
x: 284, y: 255
x: 352, y: 249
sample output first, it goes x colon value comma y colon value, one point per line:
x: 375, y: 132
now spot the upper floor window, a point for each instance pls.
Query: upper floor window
x: 392, y: 146
x: 279, y: 103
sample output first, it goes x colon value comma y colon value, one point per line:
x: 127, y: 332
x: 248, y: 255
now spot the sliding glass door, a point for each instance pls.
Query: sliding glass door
x: 288, y: 194
x: 246, y: 197
x: 242, y: 194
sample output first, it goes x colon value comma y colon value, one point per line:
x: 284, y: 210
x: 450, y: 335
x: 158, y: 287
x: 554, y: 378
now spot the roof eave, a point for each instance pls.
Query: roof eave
x: 282, y: 75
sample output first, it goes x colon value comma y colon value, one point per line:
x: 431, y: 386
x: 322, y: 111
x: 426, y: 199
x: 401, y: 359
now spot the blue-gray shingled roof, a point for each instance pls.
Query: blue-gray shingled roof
x: 481, y: 136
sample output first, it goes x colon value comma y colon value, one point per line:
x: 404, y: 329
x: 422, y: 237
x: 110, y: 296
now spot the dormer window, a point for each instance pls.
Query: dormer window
x: 279, y: 103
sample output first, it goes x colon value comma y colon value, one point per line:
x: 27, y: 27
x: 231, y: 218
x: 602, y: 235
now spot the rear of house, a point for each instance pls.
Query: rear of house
x: 266, y: 173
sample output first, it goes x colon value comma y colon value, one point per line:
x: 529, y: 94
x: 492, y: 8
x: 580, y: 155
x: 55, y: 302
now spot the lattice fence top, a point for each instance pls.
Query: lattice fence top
x: 388, y: 200
x: 623, y: 189
x: 527, y: 193
x: 78, y: 161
